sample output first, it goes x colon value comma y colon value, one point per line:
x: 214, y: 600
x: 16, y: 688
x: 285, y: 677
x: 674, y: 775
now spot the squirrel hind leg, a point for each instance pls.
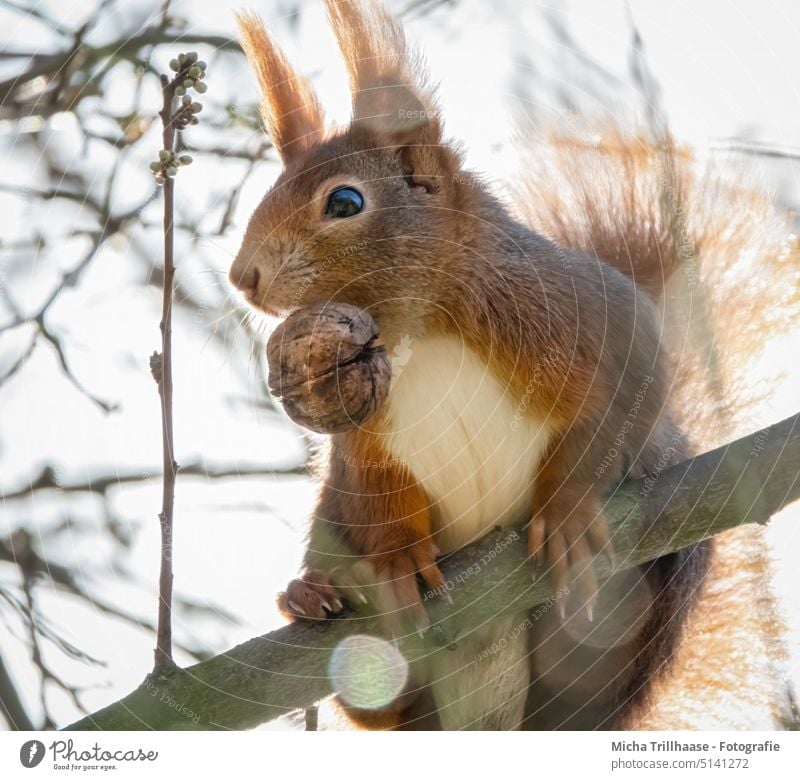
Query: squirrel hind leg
x: 597, y: 674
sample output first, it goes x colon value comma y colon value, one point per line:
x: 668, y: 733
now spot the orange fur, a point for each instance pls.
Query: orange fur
x: 289, y: 107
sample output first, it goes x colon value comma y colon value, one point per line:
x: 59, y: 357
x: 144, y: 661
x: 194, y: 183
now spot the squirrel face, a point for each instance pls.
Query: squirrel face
x: 365, y: 215
x: 351, y: 219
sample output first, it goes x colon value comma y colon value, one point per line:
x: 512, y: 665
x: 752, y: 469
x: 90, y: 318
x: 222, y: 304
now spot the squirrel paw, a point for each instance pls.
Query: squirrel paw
x: 397, y: 591
x: 311, y: 597
x: 567, y: 544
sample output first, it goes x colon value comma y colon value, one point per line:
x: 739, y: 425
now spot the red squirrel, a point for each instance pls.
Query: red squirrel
x: 540, y: 369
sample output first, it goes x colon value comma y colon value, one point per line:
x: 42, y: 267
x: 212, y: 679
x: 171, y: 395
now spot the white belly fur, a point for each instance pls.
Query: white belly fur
x: 465, y: 438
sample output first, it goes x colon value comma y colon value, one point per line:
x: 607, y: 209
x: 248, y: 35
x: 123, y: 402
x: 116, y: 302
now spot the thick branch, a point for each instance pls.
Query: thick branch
x: 744, y: 482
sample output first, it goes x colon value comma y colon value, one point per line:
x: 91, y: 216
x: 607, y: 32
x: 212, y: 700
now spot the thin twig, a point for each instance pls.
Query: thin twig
x: 125, y: 47
x: 18, y: 549
x: 756, y: 148
x: 163, y: 652
x: 188, y: 73
x: 11, y: 707
x: 106, y: 406
x: 47, y: 478
x: 233, y: 199
x: 109, y: 226
x: 19, y: 362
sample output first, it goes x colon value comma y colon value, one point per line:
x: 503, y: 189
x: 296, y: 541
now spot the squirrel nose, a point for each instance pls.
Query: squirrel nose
x: 245, y: 280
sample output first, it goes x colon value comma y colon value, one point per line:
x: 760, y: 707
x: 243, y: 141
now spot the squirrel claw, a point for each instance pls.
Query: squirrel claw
x: 568, y: 537
x: 310, y: 597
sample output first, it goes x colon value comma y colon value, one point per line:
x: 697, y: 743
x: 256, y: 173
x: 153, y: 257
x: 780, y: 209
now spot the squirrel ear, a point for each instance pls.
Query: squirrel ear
x: 289, y: 107
x: 387, y: 80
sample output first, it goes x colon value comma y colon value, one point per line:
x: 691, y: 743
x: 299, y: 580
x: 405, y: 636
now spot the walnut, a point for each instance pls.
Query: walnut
x: 326, y: 366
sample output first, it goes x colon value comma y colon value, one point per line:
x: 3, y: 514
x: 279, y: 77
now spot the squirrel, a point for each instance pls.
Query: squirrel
x: 549, y: 350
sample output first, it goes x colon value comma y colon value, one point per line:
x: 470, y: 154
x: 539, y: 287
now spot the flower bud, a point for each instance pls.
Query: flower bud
x: 185, y: 159
x: 164, y: 155
x: 200, y: 87
x: 174, y: 64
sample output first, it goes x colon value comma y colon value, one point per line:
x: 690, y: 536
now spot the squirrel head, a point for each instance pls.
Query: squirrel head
x: 364, y: 214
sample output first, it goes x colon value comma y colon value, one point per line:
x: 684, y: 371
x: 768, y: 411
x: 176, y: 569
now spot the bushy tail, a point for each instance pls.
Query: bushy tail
x: 724, y: 265
x: 702, y: 239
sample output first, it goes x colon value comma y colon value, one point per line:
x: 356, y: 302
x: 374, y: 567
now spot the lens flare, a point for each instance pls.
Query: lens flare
x: 367, y: 672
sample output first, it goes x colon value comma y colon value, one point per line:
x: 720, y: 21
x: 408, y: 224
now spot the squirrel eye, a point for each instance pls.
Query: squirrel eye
x: 344, y: 202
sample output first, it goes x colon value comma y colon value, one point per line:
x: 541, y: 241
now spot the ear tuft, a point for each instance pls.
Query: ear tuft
x: 388, y: 81
x: 290, y: 109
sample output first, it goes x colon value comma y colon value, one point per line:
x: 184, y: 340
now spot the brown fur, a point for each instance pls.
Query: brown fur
x: 434, y: 252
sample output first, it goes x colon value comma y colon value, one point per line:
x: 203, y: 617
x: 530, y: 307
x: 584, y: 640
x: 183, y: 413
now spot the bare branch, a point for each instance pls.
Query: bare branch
x: 126, y: 47
x: 35, y: 12
x: 11, y: 707
x: 757, y: 149
x: 62, y: 359
x: 188, y: 74
x: 19, y: 362
x: 18, y: 549
x: 47, y: 480
x: 110, y: 225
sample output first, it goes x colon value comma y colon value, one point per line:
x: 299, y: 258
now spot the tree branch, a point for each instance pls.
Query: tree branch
x: 188, y: 74
x: 47, y: 478
x: 18, y: 549
x: 11, y: 707
x: 51, y: 65
x: 163, y: 374
x: 746, y: 481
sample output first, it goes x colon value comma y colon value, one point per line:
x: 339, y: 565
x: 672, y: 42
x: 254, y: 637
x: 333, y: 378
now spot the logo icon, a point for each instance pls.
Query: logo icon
x: 31, y: 753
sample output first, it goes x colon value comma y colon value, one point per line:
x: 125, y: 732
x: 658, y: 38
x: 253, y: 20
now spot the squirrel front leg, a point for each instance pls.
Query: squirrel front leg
x: 370, y: 538
x: 567, y: 529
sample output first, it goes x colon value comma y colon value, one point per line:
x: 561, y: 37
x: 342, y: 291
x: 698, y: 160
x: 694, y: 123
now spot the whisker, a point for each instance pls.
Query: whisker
x: 233, y: 308
x: 210, y: 271
x: 207, y: 241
